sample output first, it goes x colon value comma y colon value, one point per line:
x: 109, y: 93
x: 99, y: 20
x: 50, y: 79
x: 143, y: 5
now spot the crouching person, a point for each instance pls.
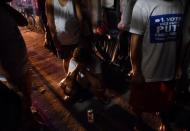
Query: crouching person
x: 85, y: 70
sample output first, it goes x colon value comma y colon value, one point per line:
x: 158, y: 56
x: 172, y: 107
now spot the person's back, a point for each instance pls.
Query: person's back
x: 159, y: 22
x: 13, y: 57
x: 69, y: 25
x: 13, y: 53
x: 156, y: 27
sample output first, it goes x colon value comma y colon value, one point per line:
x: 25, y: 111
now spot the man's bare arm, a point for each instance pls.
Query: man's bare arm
x: 135, y: 53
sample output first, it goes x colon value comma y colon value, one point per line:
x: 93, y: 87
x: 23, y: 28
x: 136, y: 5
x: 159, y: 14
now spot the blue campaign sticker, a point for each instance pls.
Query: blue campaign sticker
x: 164, y: 28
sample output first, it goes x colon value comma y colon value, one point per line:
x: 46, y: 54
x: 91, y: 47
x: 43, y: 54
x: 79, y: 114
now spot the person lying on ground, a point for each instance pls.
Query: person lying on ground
x: 85, y: 69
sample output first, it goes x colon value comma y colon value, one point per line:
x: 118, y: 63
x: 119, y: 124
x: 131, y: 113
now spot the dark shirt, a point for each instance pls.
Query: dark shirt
x: 13, y: 54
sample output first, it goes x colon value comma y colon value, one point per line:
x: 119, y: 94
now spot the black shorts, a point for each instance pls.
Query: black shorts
x: 66, y: 51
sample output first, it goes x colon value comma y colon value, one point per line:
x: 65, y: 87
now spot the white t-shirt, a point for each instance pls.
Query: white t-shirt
x: 159, y: 22
x: 94, y: 66
x: 66, y: 24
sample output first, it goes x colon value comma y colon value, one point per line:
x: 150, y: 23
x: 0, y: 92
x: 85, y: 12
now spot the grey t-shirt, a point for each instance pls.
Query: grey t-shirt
x: 159, y: 22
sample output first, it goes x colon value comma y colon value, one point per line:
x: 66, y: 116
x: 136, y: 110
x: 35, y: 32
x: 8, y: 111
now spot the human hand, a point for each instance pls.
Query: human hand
x: 136, y: 76
x: 66, y: 82
x: 61, y: 84
x: 121, y: 26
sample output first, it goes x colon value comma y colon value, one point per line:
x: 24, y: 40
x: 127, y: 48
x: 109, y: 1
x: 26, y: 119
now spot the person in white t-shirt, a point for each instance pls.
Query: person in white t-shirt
x: 155, y: 28
x: 86, y: 69
x: 69, y: 23
x: 64, y: 28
